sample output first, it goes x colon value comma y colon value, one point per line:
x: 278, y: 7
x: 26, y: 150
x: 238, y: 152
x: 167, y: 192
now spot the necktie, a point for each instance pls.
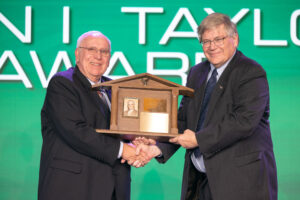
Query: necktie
x: 209, y: 88
x: 102, y: 94
x: 196, y: 156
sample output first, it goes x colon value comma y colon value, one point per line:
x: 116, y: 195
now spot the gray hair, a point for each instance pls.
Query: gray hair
x: 215, y: 19
x: 94, y: 34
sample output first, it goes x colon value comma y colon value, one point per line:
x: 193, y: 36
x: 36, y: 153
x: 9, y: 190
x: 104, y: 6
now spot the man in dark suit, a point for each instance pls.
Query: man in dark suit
x: 225, y: 125
x: 76, y: 162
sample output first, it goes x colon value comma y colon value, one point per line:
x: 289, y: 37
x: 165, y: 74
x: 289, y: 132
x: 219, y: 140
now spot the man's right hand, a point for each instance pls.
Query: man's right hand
x: 146, y: 146
x: 149, y: 151
x: 129, y: 155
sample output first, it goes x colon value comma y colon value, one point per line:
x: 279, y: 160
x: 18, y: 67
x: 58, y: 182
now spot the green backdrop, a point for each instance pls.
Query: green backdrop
x: 38, y: 38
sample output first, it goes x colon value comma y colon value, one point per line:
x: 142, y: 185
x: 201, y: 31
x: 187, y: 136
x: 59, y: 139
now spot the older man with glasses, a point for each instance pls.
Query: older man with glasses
x: 77, y: 162
x: 225, y: 125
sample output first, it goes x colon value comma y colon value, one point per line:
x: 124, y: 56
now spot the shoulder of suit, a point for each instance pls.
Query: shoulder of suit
x: 248, y: 65
x: 62, y: 78
x: 200, y: 65
x: 71, y: 77
x: 63, y: 75
x: 68, y: 74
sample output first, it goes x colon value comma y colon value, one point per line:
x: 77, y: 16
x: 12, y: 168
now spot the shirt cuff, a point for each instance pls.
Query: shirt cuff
x: 120, y: 150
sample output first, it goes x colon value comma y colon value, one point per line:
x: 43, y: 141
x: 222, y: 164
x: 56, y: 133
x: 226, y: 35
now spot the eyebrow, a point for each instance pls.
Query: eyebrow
x: 215, y: 37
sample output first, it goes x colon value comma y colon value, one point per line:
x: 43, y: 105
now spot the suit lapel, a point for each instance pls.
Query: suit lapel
x: 217, y: 92
x: 200, y: 84
x: 91, y: 93
x: 220, y: 87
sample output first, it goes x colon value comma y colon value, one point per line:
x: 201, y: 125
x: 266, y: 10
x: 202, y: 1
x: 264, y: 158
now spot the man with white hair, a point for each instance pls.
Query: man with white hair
x: 77, y: 162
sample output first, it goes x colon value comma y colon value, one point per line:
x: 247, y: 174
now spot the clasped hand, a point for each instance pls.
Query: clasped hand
x: 140, y: 152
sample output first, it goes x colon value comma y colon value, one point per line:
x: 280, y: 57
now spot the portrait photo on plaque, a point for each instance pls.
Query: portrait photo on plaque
x: 131, y: 107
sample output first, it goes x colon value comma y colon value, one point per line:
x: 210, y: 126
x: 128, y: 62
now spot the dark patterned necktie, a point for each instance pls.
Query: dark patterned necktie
x: 103, y: 96
x: 207, y: 93
x: 208, y: 90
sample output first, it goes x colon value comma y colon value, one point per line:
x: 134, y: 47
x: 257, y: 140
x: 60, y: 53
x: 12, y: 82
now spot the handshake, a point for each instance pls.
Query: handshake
x: 139, y: 152
x: 142, y: 150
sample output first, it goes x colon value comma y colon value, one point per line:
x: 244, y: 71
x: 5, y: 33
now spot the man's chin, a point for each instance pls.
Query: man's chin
x: 216, y: 62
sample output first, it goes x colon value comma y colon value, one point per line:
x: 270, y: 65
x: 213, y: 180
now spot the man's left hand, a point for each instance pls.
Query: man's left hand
x: 186, y: 140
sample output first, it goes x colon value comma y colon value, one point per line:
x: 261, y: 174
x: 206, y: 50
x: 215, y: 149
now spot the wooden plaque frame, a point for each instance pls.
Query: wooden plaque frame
x: 140, y: 101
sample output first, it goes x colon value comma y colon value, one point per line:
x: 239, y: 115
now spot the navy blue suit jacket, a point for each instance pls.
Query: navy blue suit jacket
x: 236, y: 139
x: 77, y: 162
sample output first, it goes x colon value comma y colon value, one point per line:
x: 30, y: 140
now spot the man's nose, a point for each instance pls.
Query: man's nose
x: 98, y: 55
x: 212, y: 45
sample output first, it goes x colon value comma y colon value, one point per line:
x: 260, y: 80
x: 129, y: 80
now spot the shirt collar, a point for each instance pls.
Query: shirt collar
x: 92, y: 82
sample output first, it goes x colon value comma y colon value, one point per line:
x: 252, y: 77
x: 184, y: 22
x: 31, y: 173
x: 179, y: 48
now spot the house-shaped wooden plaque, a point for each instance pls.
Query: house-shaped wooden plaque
x: 144, y: 105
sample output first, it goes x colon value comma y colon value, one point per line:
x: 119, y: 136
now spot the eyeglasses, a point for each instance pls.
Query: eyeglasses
x: 94, y: 51
x: 217, y: 41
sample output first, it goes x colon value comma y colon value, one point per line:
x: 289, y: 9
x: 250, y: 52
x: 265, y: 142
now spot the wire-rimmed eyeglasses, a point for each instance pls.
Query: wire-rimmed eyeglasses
x: 219, y: 41
x: 94, y: 51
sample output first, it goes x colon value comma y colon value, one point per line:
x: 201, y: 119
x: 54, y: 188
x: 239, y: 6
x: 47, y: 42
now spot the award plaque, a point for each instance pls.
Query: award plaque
x: 143, y: 105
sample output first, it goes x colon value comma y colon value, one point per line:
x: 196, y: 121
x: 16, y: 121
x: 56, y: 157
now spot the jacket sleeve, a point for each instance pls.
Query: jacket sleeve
x: 250, y: 97
x: 66, y: 118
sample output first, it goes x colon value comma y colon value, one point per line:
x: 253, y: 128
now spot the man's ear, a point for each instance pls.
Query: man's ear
x: 236, y: 39
x: 76, y: 55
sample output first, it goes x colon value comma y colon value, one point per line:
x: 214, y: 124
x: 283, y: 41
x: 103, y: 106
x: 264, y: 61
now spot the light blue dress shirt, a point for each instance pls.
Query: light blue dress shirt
x: 199, y: 163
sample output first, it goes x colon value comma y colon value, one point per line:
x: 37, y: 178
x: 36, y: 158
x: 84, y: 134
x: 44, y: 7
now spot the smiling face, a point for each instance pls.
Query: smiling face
x: 218, y: 55
x: 92, y: 64
x: 130, y: 105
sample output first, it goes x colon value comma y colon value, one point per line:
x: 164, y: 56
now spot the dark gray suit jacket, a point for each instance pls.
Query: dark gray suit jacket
x: 77, y: 162
x: 236, y: 140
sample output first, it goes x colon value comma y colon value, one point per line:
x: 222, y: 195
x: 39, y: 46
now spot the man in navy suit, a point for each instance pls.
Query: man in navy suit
x: 76, y: 162
x: 225, y: 125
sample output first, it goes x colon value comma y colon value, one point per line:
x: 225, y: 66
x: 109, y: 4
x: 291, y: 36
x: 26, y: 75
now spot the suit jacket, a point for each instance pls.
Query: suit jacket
x: 235, y: 139
x: 76, y: 162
